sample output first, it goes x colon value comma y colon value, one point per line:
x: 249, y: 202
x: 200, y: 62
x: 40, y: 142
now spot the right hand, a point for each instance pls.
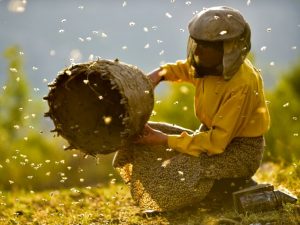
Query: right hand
x: 151, y: 136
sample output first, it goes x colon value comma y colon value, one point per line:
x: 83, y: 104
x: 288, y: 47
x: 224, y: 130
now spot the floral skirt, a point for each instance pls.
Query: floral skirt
x: 163, y: 179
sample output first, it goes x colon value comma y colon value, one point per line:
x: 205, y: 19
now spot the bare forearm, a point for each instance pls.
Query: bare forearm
x: 156, y: 76
x: 162, y: 139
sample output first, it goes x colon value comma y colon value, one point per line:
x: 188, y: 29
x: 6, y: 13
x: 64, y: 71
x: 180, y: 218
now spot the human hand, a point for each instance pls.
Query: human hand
x: 150, y: 136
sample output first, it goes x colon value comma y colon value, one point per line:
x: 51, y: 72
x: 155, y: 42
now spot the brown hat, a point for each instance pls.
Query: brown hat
x: 225, y: 24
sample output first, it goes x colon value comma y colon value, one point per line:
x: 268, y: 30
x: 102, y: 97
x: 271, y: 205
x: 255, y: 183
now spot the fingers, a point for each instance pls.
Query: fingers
x: 142, y: 139
x: 147, y: 130
x: 146, y: 136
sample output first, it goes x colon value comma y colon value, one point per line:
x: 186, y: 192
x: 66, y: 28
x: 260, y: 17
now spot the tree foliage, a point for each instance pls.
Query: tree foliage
x: 283, y: 138
x: 14, y: 98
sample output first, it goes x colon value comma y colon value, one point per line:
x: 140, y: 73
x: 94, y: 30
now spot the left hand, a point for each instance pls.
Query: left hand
x: 152, y: 137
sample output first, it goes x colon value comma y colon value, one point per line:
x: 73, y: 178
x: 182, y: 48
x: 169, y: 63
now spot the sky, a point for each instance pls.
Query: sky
x: 53, y: 34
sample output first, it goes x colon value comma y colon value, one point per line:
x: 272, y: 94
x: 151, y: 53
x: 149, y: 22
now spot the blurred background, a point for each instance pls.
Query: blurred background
x: 40, y: 38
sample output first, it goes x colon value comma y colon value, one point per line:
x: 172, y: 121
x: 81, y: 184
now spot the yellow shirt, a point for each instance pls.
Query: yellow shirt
x: 234, y: 108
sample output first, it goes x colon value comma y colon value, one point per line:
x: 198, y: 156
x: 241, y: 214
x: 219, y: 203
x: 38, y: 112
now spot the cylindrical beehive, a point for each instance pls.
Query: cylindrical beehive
x: 101, y: 105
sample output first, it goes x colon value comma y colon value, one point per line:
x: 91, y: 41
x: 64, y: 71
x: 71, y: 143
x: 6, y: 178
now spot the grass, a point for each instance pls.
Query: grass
x: 112, y: 204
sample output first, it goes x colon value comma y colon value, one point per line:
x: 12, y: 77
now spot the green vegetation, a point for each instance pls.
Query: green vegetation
x: 283, y: 139
x: 112, y: 204
x: 42, y: 184
x: 177, y: 106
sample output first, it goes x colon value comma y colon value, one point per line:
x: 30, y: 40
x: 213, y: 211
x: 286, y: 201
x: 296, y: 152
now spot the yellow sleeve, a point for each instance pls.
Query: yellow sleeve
x: 179, y: 71
x: 232, y: 116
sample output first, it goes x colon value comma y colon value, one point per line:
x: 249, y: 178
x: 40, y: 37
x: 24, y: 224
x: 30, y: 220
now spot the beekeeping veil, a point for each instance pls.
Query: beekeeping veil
x: 223, y: 24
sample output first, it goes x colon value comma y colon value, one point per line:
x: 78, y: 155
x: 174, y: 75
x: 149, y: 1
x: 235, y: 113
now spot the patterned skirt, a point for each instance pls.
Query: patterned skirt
x: 163, y: 179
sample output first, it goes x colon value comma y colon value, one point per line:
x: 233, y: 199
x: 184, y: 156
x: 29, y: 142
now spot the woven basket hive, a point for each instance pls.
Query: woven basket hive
x: 100, y: 106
